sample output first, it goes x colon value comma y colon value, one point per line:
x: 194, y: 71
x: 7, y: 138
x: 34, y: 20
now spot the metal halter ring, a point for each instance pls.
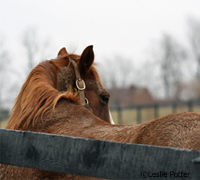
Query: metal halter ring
x: 77, y: 84
x: 86, y: 101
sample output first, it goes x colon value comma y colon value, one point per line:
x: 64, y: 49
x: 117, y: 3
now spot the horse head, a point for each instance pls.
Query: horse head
x: 96, y: 95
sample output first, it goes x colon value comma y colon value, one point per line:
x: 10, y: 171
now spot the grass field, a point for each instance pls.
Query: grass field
x: 3, y: 123
x: 129, y: 117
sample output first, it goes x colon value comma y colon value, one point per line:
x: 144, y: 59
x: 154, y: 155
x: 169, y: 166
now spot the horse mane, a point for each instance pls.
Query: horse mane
x: 39, y: 94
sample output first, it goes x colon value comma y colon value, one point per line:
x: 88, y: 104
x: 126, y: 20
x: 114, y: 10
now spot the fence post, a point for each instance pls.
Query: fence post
x: 156, y: 111
x: 174, y: 107
x: 190, y: 106
x: 139, y: 115
x: 119, y: 114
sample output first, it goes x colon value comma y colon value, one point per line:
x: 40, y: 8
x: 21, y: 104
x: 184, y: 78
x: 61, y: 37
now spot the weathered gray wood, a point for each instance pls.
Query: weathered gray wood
x: 95, y: 158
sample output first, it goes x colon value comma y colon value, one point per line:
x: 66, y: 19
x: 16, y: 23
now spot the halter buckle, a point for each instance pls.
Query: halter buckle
x: 80, y: 84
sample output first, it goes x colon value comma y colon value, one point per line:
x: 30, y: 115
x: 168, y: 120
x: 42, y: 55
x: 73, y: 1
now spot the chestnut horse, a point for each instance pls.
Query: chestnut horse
x: 63, y: 114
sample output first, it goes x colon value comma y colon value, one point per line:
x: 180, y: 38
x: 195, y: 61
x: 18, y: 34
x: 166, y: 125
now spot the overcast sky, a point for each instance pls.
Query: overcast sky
x: 126, y: 27
x: 130, y: 28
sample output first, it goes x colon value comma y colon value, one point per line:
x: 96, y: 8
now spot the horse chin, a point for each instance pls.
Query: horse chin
x: 111, y: 119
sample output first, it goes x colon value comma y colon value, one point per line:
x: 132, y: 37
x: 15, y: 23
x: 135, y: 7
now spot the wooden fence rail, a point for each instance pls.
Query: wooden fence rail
x: 96, y: 158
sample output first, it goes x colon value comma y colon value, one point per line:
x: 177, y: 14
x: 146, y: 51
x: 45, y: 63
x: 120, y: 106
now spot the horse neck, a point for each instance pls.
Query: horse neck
x: 117, y: 133
x: 75, y: 120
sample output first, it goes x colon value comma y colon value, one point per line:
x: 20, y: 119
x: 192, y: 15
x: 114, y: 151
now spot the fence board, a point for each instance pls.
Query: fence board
x: 96, y: 158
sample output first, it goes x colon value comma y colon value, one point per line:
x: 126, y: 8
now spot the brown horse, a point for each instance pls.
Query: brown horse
x: 62, y: 113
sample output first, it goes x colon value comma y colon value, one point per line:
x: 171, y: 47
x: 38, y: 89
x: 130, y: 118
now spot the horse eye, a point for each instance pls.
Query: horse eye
x: 105, y: 99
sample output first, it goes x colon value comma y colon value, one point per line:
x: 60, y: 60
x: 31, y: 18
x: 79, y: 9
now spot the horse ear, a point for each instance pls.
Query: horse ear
x: 62, y: 52
x: 86, y: 60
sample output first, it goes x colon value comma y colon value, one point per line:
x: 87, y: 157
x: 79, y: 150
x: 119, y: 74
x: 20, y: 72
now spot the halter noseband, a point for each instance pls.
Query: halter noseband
x: 80, y: 85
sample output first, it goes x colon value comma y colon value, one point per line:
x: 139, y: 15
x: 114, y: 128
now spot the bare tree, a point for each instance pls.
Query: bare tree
x: 194, y: 39
x: 117, y: 72
x: 191, y: 89
x: 4, y: 61
x: 169, y: 58
x: 35, y: 47
x: 31, y: 46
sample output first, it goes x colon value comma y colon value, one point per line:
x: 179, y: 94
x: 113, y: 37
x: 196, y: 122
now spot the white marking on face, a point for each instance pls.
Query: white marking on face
x: 111, y: 119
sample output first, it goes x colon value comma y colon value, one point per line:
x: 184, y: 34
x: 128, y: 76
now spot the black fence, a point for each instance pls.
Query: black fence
x: 4, y: 114
x: 156, y: 106
x: 96, y: 158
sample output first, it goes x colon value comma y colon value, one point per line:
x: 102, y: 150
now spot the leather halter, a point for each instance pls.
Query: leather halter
x: 80, y: 85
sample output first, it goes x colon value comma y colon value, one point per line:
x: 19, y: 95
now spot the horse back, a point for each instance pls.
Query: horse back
x: 175, y: 130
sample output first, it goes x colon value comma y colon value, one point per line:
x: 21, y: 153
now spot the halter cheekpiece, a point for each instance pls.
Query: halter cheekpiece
x: 80, y: 85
